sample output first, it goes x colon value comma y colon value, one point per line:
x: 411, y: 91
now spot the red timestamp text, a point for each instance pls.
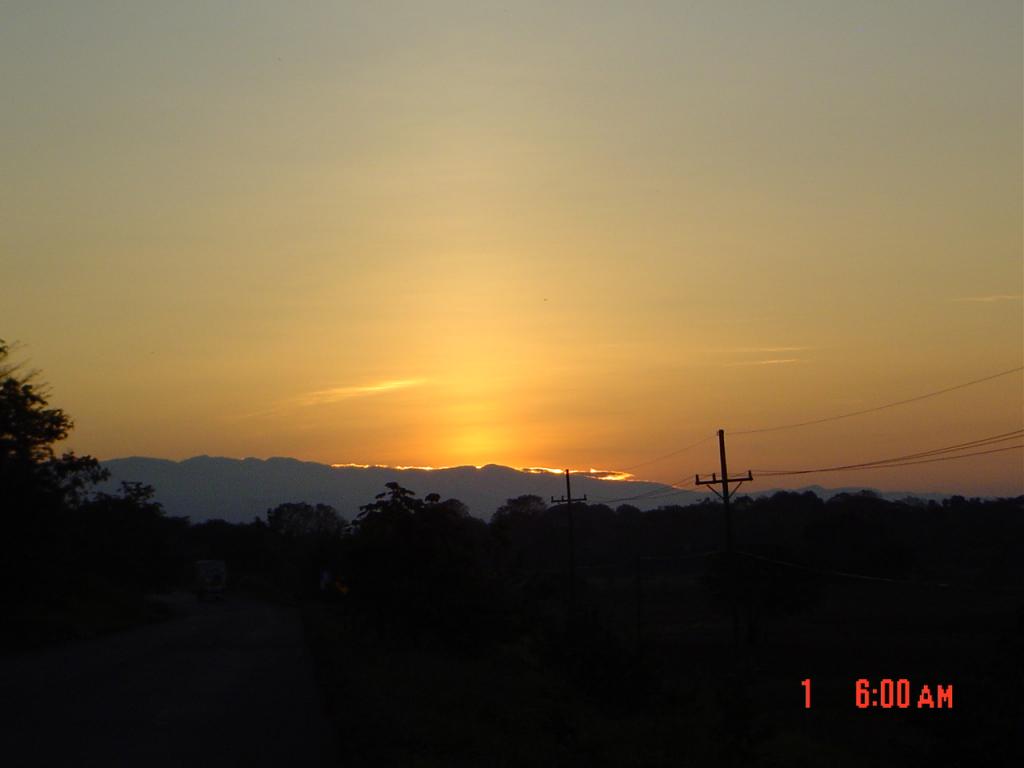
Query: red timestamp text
x: 889, y: 693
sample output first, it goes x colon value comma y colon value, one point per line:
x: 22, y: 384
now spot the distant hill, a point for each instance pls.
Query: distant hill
x: 238, y: 490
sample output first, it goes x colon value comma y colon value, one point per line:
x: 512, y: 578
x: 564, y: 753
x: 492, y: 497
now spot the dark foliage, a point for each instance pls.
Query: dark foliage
x: 421, y: 567
x: 64, y: 549
x: 296, y: 520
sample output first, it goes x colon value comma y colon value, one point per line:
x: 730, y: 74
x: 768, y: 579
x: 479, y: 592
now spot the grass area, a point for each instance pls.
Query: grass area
x: 694, y: 699
x: 510, y: 704
x: 521, y: 703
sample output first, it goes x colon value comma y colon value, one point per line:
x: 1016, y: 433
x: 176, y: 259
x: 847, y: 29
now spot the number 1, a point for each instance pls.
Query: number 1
x: 807, y: 692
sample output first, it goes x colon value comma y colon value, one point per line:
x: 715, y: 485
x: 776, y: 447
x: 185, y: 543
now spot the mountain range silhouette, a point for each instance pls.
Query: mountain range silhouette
x: 237, y: 490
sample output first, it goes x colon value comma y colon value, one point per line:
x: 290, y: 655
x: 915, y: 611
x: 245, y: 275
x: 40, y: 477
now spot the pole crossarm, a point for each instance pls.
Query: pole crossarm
x: 715, y: 480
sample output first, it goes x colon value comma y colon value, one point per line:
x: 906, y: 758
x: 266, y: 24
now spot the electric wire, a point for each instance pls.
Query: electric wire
x: 877, y: 407
x: 656, y: 493
x: 982, y: 442
x: 880, y: 465
x: 669, y: 455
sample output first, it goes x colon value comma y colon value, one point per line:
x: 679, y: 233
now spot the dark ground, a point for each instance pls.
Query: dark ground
x: 225, y: 683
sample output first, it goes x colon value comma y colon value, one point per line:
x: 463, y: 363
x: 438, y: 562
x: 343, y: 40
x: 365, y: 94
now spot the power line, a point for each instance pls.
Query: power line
x: 675, y: 490
x: 878, y: 407
x: 686, y: 480
x: 882, y: 465
x: 944, y: 458
x: 982, y: 442
x: 669, y: 455
x: 656, y: 493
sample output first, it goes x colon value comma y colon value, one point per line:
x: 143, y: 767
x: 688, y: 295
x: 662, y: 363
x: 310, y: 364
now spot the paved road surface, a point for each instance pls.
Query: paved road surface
x: 222, y: 683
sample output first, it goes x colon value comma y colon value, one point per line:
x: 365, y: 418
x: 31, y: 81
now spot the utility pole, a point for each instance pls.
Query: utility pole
x: 568, y: 501
x: 725, y: 495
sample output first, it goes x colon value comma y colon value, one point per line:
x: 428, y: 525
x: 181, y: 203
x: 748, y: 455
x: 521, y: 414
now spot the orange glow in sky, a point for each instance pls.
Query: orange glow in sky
x: 543, y: 235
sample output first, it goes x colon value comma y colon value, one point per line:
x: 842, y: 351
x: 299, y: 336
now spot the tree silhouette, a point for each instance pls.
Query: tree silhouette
x: 30, y: 472
x: 419, y: 565
x: 63, y: 544
x: 395, y: 500
x: 302, y: 519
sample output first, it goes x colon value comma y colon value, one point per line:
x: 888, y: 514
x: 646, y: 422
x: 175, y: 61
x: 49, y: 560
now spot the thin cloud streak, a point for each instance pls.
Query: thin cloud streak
x: 990, y: 299
x: 781, y: 361
x: 774, y: 349
x: 334, y: 394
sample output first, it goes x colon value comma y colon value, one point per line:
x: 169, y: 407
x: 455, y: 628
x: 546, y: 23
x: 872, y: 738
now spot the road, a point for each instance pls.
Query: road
x: 226, y: 683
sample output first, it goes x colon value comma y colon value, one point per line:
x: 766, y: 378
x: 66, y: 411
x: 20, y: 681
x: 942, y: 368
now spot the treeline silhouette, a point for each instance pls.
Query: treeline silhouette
x: 442, y: 639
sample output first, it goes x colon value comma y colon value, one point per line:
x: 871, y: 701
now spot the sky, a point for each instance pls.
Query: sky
x: 578, y: 234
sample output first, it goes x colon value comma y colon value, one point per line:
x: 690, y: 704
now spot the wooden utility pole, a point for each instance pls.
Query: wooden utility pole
x: 725, y: 495
x: 568, y: 501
